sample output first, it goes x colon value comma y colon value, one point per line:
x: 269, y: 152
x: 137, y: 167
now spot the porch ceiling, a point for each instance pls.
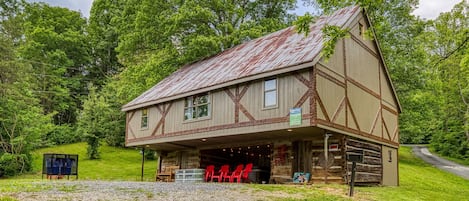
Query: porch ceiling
x: 240, y: 140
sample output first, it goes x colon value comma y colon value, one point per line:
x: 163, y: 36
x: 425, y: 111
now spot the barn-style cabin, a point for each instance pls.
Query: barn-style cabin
x: 276, y: 103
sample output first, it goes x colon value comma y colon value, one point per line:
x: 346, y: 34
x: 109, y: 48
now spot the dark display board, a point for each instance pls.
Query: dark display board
x: 60, y: 164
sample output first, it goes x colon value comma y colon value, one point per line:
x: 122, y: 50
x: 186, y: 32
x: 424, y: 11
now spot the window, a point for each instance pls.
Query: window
x: 144, y: 119
x: 270, y: 93
x: 197, y: 106
x: 360, y: 29
x: 390, y: 156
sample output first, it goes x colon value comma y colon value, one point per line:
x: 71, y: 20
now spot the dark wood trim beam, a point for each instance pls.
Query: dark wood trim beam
x: 353, y: 115
x: 321, y: 105
x: 392, y: 111
x: 302, y: 99
x: 396, y: 129
x: 363, y: 87
x: 221, y: 127
x: 164, y: 112
x: 236, y: 98
x: 344, y: 53
x: 357, y: 132
x: 386, y: 129
x: 363, y: 45
x: 302, y: 79
x: 128, y: 129
x: 330, y: 78
x: 375, y: 121
x: 338, y: 110
x: 246, y: 112
x: 313, y: 74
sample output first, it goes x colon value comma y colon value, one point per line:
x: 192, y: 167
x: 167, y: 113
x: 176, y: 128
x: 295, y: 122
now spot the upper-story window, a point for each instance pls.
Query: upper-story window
x: 270, y: 93
x: 144, y: 119
x: 197, y: 106
x: 362, y: 30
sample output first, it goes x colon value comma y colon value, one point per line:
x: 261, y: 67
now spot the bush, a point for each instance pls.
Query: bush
x: 63, y: 134
x: 14, y: 164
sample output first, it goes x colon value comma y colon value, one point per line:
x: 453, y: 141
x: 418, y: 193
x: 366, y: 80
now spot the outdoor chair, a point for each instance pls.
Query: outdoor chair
x: 209, y: 171
x: 167, y: 174
x: 221, y: 173
x: 235, y: 174
x: 246, y: 172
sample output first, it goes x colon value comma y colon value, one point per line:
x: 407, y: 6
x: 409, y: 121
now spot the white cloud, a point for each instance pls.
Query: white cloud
x: 430, y: 9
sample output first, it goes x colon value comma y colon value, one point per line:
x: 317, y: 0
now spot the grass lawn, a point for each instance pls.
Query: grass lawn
x: 420, y: 181
x: 114, y: 164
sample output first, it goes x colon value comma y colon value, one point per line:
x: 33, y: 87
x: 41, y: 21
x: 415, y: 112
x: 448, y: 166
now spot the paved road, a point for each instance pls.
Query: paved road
x: 423, y: 153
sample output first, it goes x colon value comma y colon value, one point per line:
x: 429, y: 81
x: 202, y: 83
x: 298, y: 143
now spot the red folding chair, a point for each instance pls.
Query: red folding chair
x: 246, y: 172
x: 221, y: 173
x: 209, y: 171
x: 235, y: 174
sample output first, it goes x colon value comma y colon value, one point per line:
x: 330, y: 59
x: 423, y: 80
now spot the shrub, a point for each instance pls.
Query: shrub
x: 14, y: 164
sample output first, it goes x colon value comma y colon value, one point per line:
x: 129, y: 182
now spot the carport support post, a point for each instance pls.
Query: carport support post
x: 143, y: 162
x: 326, y: 155
x: 352, y: 180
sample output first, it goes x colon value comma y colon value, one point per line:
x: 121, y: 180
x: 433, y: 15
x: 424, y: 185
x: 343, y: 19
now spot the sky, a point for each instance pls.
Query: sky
x: 428, y: 9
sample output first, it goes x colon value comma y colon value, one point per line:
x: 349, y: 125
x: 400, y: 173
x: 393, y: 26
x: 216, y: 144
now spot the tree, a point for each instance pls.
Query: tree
x: 21, y: 118
x: 448, y: 48
x: 102, y: 30
x: 56, y: 46
x: 92, y: 121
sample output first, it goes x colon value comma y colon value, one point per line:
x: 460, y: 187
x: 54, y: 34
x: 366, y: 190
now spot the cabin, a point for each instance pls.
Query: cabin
x: 277, y: 103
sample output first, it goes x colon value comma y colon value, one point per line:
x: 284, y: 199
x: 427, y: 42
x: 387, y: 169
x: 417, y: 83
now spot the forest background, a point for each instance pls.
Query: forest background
x: 64, y: 78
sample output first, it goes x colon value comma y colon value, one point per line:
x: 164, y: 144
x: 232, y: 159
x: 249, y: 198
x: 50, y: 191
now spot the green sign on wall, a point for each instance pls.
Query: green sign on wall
x: 295, y: 116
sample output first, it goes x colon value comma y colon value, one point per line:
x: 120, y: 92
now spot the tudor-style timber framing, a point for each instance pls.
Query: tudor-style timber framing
x: 349, y: 95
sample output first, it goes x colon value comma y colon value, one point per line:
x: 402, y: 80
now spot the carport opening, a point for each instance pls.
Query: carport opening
x: 259, y: 155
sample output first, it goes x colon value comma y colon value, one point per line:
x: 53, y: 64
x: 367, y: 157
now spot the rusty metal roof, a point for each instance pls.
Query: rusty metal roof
x: 278, y: 50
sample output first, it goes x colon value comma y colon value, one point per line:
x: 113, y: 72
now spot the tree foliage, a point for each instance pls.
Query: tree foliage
x: 448, y: 48
x: 57, y: 48
x: 92, y: 122
x: 21, y: 117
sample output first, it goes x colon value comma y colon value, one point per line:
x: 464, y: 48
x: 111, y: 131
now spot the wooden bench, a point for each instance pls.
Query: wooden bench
x: 167, y: 173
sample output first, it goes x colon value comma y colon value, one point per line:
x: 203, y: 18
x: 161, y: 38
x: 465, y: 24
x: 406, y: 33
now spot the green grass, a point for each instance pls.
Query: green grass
x: 114, y: 164
x: 7, y: 198
x: 304, y: 192
x: 419, y: 181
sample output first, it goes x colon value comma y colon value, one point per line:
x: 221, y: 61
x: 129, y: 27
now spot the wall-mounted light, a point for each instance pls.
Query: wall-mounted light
x: 203, y: 139
x: 289, y: 130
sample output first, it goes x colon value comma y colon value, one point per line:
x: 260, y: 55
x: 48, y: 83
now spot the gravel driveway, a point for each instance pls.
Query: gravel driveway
x: 124, y: 190
x: 423, y: 153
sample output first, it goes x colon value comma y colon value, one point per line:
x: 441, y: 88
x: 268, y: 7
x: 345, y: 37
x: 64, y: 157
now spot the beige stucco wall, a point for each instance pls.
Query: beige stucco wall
x: 290, y: 91
x: 356, y: 74
x: 390, y: 166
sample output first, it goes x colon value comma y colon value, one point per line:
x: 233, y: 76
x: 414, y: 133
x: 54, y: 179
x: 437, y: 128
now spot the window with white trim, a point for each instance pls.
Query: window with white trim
x: 144, y: 119
x: 270, y: 93
x: 196, y: 107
